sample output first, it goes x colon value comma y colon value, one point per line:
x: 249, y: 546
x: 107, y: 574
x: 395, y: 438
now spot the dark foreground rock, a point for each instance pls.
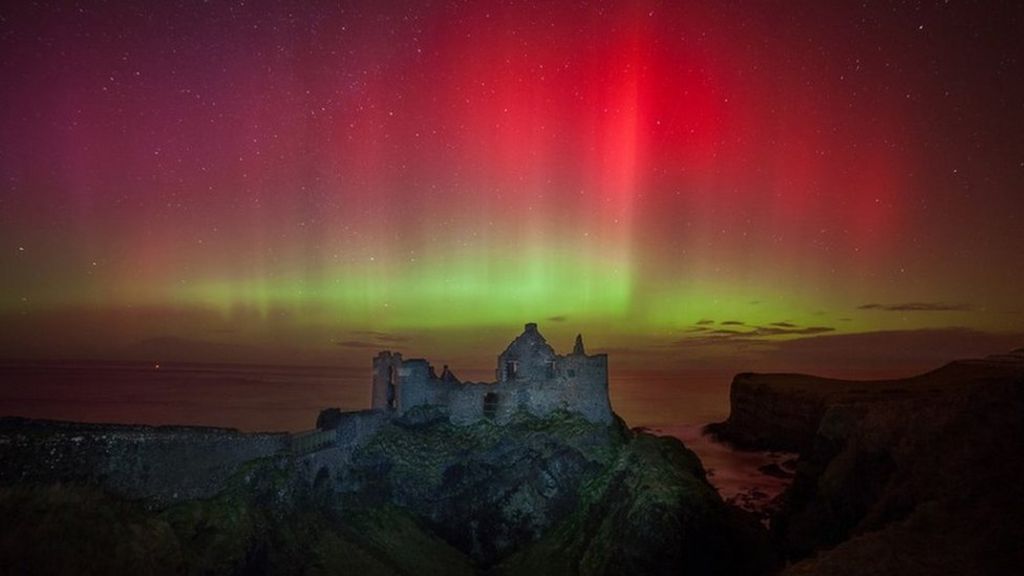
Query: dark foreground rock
x: 651, y: 512
x: 263, y: 522
x: 915, y: 476
x: 486, y: 489
x: 418, y: 496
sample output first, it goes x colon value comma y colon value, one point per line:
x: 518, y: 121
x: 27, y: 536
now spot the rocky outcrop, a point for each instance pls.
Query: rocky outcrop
x: 409, y: 495
x: 784, y: 411
x: 774, y: 411
x: 651, y: 512
x: 415, y: 495
x: 484, y: 488
x: 913, y: 476
x: 912, y: 485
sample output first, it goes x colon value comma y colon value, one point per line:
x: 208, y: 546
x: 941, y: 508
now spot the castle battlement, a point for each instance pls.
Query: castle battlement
x: 529, y: 377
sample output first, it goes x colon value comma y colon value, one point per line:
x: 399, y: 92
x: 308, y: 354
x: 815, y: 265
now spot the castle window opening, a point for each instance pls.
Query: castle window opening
x: 511, y: 369
x: 490, y: 405
x: 551, y: 369
x: 392, y: 380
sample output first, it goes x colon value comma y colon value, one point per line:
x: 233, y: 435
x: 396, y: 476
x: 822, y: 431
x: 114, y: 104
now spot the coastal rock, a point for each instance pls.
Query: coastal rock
x: 486, y: 489
x: 912, y: 476
x: 773, y: 411
x: 410, y: 495
x: 907, y: 476
x: 651, y: 512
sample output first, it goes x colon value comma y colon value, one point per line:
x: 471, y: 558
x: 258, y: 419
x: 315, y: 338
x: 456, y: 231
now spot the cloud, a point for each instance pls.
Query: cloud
x: 357, y: 344
x: 625, y: 351
x: 380, y: 336
x: 917, y: 307
x: 756, y: 335
x: 732, y: 323
x: 783, y: 325
x: 809, y: 330
x: 705, y: 322
x: 843, y: 355
x: 557, y: 318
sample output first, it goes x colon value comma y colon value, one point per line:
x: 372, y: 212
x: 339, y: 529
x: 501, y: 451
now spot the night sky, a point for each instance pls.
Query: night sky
x: 765, y: 184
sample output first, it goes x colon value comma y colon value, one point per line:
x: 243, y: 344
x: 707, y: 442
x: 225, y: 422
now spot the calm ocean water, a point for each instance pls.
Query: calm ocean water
x: 284, y: 398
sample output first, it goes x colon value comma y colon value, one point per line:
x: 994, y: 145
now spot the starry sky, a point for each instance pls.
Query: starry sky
x: 758, y: 184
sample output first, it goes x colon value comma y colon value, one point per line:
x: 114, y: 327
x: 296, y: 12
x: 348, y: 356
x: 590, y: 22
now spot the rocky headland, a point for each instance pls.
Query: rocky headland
x: 912, y: 476
x: 400, y: 495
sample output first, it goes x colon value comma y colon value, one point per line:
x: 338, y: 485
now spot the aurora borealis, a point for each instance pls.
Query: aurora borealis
x: 683, y: 182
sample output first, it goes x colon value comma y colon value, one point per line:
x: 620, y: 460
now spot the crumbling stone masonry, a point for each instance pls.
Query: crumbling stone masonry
x: 530, y: 377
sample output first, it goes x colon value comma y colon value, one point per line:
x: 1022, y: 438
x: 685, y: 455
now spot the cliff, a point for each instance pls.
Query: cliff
x: 557, y: 495
x: 651, y: 512
x: 913, y: 476
x: 415, y: 494
x: 774, y: 411
x: 784, y: 411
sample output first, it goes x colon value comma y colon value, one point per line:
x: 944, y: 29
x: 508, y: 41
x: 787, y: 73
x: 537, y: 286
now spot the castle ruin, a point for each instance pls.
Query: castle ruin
x: 530, y: 377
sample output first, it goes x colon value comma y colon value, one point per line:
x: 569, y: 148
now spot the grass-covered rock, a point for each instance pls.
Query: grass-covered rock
x: 265, y: 522
x: 486, y: 489
x: 422, y: 496
x: 75, y: 529
x: 651, y: 512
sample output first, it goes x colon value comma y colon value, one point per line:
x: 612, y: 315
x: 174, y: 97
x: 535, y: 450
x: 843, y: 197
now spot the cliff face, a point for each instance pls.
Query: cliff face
x: 419, y: 495
x: 484, y: 488
x: 932, y: 481
x: 773, y: 411
x: 914, y: 476
x: 784, y: 411
x: 560, y: 494
x: 651, y: 512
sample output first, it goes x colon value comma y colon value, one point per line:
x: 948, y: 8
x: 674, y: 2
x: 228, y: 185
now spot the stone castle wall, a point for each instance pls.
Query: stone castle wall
x: 586, y: 393
x: 166, y: 464
x: 353, y: 430
x: 530, y: 378
x: 163, y: 464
